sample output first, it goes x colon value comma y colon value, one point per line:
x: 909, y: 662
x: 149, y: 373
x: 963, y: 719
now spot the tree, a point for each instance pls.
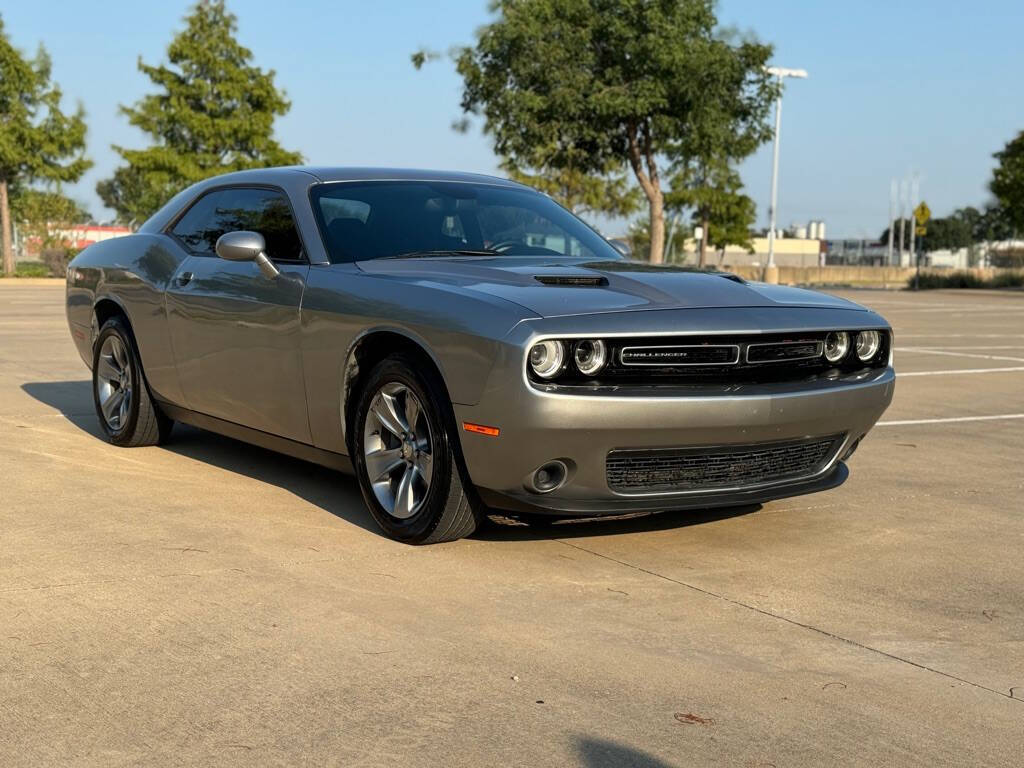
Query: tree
x: 639, y: 238
x: 45, y: 216
x: 1008, y: 182
x: 725, y: 214
x: 907, y: 230
x: 581, y: 192
x: 947, y: 234
x: 37, y: 140
x: 606, y: 83
x: 213, y: 113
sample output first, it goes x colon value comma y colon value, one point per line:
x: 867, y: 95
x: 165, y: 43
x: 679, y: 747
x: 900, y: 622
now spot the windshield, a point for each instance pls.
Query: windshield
x: 396, y: 219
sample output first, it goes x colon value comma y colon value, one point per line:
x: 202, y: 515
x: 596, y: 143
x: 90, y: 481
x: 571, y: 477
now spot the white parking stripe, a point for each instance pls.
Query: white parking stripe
x: 930, y: 351
x: 960, y: 335
x: 949, y: 420
x: 963, y: 370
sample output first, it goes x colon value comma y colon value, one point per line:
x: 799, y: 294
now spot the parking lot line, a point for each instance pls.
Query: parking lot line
x: 959, y: 335
x: 962, y: 371
x: 949, y: 420
x: 931, y: 351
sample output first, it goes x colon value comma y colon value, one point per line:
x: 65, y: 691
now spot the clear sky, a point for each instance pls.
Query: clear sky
x: 932, y: 86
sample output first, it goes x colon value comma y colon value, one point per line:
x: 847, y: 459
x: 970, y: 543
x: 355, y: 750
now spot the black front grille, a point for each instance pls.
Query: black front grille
x: 713, y: 359
x: 699, y: 469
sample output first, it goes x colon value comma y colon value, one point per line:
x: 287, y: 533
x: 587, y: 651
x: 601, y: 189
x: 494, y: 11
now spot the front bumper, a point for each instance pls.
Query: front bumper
x: 581, y: 429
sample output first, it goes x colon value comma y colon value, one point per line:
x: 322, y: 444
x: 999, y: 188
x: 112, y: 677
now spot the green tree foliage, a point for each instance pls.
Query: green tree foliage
x: 713, y: 192
x: 963, y: 228
x: 37, y: 140
x: 947, y: 234
x: 43, y: 215
x: 213, y: 112
x: 1008, y: 182
x: 580, y: 192
x: 676, y: 236
x: 908, y: 229
x: 599, y: 84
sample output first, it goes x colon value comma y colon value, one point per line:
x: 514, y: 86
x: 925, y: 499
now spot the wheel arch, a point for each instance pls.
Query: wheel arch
x: 368, y: 349
x: 107, y: 307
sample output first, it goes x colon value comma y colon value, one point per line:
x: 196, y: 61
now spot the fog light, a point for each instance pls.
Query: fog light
x: 868, y: 343
x: 549, y: 477
x: 837, y: 344
x: 546, y: 358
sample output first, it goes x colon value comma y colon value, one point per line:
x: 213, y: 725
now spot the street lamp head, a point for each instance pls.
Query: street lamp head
x: 781, y: 72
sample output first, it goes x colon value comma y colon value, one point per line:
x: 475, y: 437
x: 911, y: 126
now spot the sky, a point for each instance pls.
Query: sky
x: 931, y: 87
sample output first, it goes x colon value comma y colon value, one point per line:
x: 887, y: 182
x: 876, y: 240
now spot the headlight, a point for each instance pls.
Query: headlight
x: 546, y: 358
x: 837, y: 344
x: 590, y: 356
x: 868, y: 343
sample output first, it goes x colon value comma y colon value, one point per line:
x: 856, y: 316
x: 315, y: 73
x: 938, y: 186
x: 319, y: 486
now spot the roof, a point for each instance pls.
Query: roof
x: 327, y: 173
x: 338, y: 173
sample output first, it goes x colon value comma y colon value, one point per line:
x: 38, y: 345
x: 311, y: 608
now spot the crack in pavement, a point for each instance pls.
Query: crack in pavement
x: 794, y: 622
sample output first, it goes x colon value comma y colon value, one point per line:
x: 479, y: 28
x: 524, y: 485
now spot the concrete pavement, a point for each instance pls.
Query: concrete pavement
x: 211, y: 603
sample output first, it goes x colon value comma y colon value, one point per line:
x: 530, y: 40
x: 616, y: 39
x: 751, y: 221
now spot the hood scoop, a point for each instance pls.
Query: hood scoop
x: 572, y: 280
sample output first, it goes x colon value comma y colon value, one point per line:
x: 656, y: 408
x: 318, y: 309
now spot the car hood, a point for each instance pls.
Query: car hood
x: 555, y: 287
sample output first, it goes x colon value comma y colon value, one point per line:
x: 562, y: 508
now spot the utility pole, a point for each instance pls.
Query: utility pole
x: 903, y: 239
x: 892, y: 219
x: 913, y: 186
x: 771, y: 275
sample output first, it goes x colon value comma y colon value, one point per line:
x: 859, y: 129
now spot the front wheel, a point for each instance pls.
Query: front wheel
x: 408, y: 468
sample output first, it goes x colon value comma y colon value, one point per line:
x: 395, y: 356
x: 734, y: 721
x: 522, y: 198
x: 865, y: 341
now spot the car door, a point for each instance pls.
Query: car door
x: 234, y: 331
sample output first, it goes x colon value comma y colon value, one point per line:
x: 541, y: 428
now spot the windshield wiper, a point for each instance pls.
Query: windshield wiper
x: 449, y: 252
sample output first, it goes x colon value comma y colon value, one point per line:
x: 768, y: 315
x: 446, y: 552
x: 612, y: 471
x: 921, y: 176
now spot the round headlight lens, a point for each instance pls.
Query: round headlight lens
x: 837, y: 344
x: 547, y: 357
x: 590, y: 356
x: 868, y: 343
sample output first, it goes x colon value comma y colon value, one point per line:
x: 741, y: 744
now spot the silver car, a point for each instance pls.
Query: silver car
x: 462, y: 342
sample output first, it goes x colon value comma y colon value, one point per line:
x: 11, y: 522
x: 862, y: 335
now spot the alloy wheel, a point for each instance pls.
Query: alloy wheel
x: 114, y: 382
x: 398, y: 450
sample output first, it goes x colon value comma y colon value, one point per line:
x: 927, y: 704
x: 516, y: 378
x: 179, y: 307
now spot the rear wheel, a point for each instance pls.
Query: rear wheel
x: 126, y: 411
x: 405, y: 457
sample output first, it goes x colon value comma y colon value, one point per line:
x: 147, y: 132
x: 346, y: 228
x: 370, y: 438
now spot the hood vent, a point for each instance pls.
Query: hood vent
x: 572, y: 280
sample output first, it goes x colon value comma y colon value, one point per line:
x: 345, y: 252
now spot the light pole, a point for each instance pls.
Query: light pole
x: 781, y: 73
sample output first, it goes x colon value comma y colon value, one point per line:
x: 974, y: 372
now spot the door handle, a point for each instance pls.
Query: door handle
x: 183, y: 279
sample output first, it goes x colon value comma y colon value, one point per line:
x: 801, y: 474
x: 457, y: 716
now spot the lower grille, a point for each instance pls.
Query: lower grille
x: 700, y: 469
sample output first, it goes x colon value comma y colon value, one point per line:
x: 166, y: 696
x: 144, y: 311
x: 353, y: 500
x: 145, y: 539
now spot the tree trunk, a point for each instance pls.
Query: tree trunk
x: 705, y: 224
x: 5, y: 225
x: 657, y: 207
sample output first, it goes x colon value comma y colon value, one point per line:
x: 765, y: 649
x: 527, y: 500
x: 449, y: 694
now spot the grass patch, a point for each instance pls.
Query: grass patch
x: 930, y: 280
x: 29, y: 269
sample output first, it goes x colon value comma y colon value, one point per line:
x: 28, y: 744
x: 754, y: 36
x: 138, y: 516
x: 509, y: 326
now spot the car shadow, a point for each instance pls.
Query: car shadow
x: 603, y: 753
x: 338, y: 493
x: 328, y: 489
x: 502, y: 528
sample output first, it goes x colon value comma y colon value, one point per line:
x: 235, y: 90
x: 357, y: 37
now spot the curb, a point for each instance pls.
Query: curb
x: 52, y: 281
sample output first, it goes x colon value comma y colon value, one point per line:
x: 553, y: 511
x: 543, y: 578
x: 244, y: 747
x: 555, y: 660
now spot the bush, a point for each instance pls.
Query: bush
x: 1008, y: 280
x: 30, y: 269
x: 56, y: 260
x: 931, y: 280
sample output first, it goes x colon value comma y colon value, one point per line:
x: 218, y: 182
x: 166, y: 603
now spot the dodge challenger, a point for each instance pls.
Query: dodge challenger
x: 463, y: 343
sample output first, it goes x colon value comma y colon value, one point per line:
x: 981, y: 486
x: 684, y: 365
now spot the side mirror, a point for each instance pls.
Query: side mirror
x: 621, y: 246
x: 246, y: 246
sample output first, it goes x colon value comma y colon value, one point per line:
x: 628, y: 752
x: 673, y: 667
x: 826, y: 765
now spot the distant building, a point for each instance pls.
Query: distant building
x: 73, y: 237
x: 87, y: 234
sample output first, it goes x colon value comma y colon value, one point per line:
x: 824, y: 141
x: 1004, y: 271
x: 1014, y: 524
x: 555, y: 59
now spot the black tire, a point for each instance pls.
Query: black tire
x: 450, y: 508
x: 142, y: 422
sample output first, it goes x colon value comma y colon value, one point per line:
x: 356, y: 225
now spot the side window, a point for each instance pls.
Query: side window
x: 227, y: 210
